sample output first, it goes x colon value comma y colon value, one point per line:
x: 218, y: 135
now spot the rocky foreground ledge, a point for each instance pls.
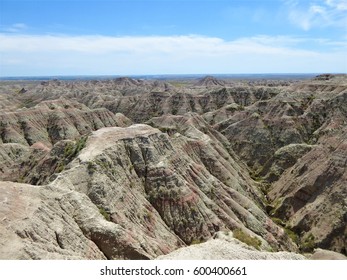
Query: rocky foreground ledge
x: 224, y: 247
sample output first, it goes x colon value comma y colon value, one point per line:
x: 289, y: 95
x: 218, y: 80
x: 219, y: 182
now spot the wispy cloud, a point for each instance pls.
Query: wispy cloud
x: 198, y: 45
x: 58, y: 54
x: 14, y: 28
x: 320, y: 13
x: 340, y: 5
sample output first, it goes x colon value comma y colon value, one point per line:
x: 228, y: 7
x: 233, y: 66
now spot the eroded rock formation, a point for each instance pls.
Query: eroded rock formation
x: 264, y: 159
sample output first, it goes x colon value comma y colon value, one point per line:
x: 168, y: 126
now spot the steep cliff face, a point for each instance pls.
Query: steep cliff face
x: 311, y: 197
x: 312, y: 194
x: 143, y: 177
x: 297, y: 140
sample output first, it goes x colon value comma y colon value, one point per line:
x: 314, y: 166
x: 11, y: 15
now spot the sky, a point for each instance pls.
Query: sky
x: 134, y: 37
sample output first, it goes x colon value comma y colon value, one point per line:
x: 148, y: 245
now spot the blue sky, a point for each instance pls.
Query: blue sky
x: 130, y: 37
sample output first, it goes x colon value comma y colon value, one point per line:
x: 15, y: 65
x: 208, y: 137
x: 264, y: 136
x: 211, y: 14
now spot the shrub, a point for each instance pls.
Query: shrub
x: 60, y: 167
x: 292, y: 235
x: 241, y: 108
x: 80, y: 144
x: 308, y: 244
x: 71, y: 150
x: 91, y: 167
x: 148, y: 215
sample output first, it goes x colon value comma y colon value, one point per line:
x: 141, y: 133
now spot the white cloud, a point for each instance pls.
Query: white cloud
x: 191, y: 44
x: 17, y: 27
x: 318, y: 13
x: 71, y: 55
x: 337, y: 4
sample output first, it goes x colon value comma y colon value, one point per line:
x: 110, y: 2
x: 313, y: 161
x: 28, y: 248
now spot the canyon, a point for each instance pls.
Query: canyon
x: 131, y: 168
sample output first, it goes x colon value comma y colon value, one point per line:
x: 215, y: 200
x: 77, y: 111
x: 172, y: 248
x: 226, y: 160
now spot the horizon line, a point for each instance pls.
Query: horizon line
x: 15, y: 77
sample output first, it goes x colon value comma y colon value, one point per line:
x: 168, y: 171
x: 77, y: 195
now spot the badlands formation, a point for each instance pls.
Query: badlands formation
x: 204, y: 169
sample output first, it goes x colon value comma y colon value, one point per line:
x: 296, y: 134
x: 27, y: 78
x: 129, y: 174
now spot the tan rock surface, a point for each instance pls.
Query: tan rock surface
x: 265, y: 158
x: 226, y: 249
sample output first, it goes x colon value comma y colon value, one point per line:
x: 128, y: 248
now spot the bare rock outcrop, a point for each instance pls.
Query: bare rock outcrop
x: 52, y: 121
x: 210, y: 81
x: 50, y: 223
x: 311, y: 197
x: 226, y: 249
x: 283, y: 159
x: 321, y: 254
x: 145, y: 179
x: 266, y: 160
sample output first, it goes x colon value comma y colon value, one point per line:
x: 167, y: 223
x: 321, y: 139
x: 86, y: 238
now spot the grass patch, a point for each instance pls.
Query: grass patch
x: 278, y: 221
x: 105, y: 214
x: 246, y: 238
x: 292, y: 235
x: 256, y: 177
x: 197, y: 241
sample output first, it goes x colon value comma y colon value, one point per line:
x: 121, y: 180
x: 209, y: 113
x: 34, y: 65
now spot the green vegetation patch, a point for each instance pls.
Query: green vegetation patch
x: 105, y: 214
x: 308, y: 244
x: 247, y: 239
x: 197, y: 241
x: 293, y: 236
x: 71, y: 150
x: 91, y: 166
